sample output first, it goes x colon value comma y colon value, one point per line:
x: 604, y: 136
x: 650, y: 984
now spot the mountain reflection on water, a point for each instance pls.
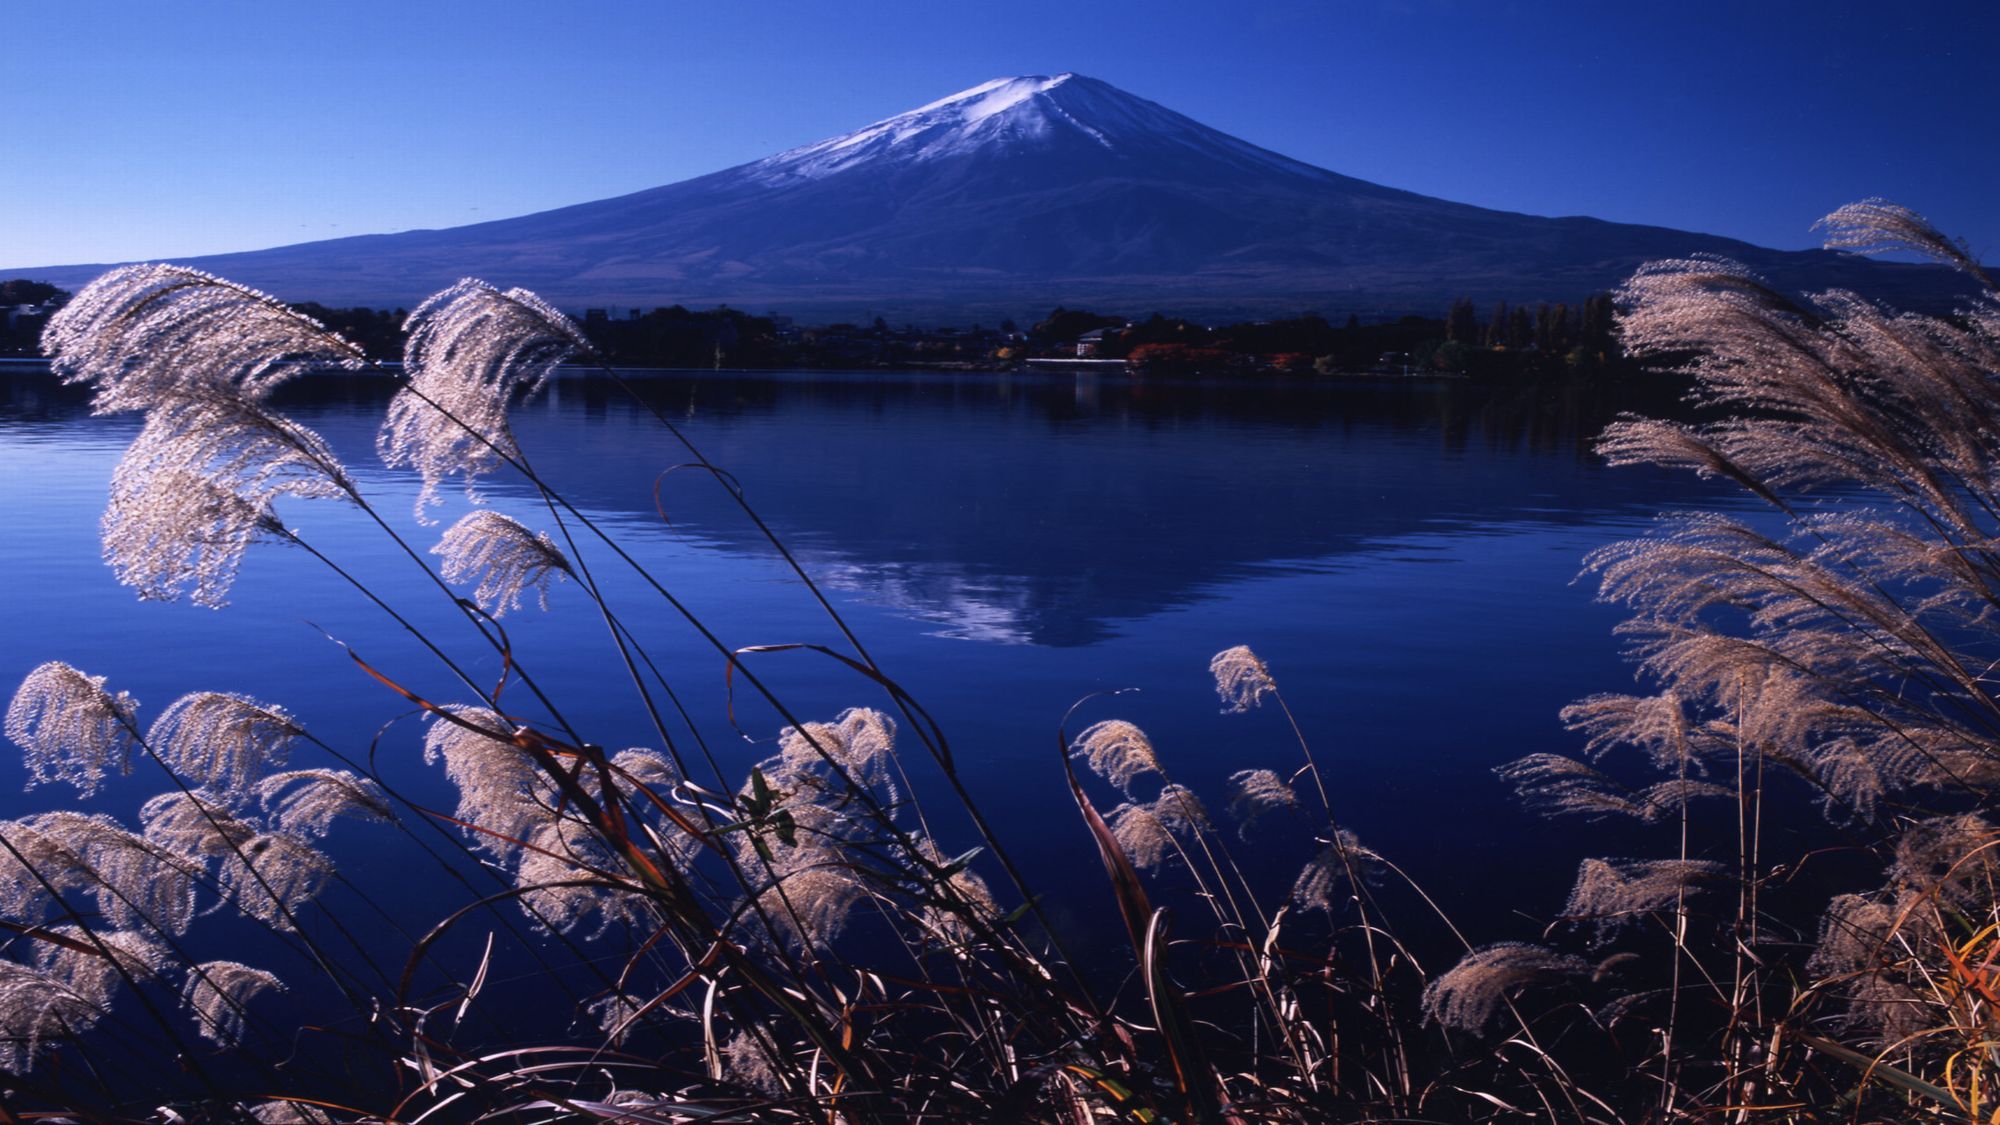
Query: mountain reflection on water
x: 1047, y: 510
x: 1044, y: 510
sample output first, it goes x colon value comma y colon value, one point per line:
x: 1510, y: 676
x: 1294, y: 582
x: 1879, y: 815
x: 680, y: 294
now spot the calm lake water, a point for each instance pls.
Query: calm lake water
x: 1403, y: 556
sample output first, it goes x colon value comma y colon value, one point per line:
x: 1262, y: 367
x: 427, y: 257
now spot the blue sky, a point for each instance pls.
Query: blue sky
x: 152, y: 130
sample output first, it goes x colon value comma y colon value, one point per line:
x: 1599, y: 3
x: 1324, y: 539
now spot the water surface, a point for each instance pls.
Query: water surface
x: 1403, y: 555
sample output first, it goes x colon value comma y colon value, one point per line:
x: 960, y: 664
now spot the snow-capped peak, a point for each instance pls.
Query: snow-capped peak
x: 1033, y: 111
x: 989, y: 98
x: 1010, y: 109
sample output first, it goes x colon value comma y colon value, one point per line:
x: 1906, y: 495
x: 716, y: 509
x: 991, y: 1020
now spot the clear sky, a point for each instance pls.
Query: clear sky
x: 146, y: 130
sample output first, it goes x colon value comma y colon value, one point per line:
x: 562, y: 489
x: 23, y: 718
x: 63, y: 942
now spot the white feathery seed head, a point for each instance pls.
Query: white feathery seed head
x: 272, y: 874
x: 1241, y: 679
x: 196, y: 488
x: 218, y: 992
x: 745, y: 1063
x: 200, y: 355
x: 499, y: 787
x: 1148, y: 831
x: 1255, y: 794
x: 70, y: 728
x: 1612, y: 893
x: 1473, y: 993
x: 30, y: 865
x: 470, y: 350
x: 149, y: 334
x: 169, y: 532
x: 649, y: 769
x: 289, y: 1113
x: 222, y: 742
x: 134, y: 881
x: 1330, y: 877
x: 193, y: 824
x: 563, y: 850
x: 860, y: 740
x: 305, y: 802
x: 503, y: 557
x: 1116, y: 751
x: 36, y: 1011
x: 93, y: 971
x: 1877, y: 226
x: 815, y: 903
x: 968, y: 893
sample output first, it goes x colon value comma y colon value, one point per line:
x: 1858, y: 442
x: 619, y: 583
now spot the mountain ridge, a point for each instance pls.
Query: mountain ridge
x: 1013, y: 196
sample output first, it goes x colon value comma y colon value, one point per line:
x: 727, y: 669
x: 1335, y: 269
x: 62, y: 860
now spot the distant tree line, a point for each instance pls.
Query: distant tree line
x: 1509, y: 341
x: 25, y: 306
x: 1514, y: 340
x: 379, y: 332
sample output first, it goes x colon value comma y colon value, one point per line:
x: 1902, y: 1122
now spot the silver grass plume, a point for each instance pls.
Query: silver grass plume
x: 1657, y: 725
x: 745, y: 1063
x: 30, y: 865
x: 617, y: 1016
x: 305, y: 802
x: 1881, y: 951
x: 94, y: 971
x: 1329, y: 878
x: 1866, y: 955
x: 1241, y: 679
x: 222, y: 742
x: 1473, y: 993
x: 470, y: 350
x: 1857, y: 930
x: 1877, y: 226
x: 133, y: 881
x: 36, y: 1010
x: 217, y: 993
x: 1806, y: 645
x: 645, y: 768
x: 1255, y: 794
x: 969, y: 892
x: 1116, y: 751
x: 815, y: 903
x: 819, y: 833
x: 1837, y: 392
x: 193, y: 824
x: 199, y: 355
x: 70, y: 728
x: 1556, y: 785
x: 503, y: 557
x: 638, y: 769
x: 564, y: 851
x: 197, y: 487
x: 1149, y: 831
x: 1612, y: 893
x: 265, y: 875
x: 289, y: 1113
x: 272, y: 874
x: 1950, y: 858
x: 146, y: 335
x: 500, y: 789
x: 861, y: 741
x: 170, y: 532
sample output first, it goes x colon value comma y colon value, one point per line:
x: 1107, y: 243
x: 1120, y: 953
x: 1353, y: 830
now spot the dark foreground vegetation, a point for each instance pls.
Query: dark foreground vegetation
x: 838, y: 934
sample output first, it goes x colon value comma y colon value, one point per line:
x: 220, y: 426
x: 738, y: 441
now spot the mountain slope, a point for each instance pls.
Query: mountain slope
x: 1008, y: 198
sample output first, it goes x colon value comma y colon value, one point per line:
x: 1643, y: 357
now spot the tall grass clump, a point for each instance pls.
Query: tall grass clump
x: 1818, y: 746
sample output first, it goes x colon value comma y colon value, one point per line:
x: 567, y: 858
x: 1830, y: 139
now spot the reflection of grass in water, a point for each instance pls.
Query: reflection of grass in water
x: 792, y: 940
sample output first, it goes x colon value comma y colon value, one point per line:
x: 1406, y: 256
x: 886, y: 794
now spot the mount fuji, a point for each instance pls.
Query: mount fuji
x: 1011, y: 197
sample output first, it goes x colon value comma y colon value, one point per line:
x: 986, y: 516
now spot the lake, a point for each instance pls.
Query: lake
x: 1403, y: 555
